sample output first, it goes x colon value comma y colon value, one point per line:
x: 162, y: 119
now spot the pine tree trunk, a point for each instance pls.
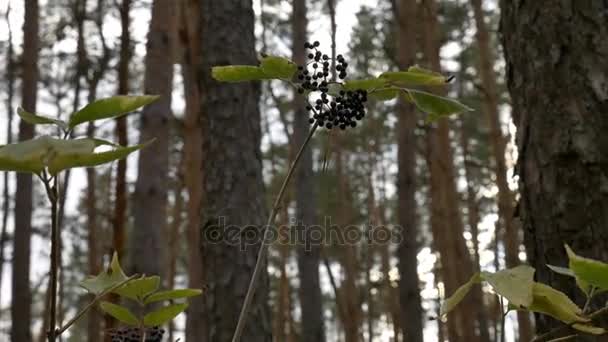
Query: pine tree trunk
x: 409, y: 291
x: 558, y: 79
x: 497, y: 140
x: 233, y: 187
x: 308, y: 256
x: 21, y: 294
x: 446, y: 221
x: 120, y: 186
x: 150, y: 202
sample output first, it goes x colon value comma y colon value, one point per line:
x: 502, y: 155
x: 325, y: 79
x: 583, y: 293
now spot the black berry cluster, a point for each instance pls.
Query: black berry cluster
x: 343, y: 109
x: 130, y: 334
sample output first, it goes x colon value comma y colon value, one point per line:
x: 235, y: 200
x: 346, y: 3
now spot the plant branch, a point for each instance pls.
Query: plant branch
x: 265, y: 243
x: 561, y: 328
x: 53, y: 194
x: 96, y: 300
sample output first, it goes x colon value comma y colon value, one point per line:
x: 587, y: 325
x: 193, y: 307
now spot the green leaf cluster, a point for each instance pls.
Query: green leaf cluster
x: 142, y: 290
x: 54, y: 155
x: 523, y: 293
x: 271, y: 68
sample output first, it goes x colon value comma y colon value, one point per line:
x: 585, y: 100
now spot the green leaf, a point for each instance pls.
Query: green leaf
x: 112, y: 107
x: 120, y: 313
x: 590, y: 271
x: 589, y: 329
x: 415, y: 76
x: 237, y: 73
x: 583, y: 285
x: 36, y: 119
x: 385, y: 94
x: 436, y: 106
x: 26, y: 156
x: 138, y: 289
x: 515, y: 284
x: 450, y: 303
x: 106, y: 279
x: 164, y: 315
x: 549, y: 301
x: 365, y: 84
x: 67, y: 160
x: 172, y: 294
x: 278, y: 67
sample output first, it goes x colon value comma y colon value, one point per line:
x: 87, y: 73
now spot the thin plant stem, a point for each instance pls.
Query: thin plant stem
x: 51, y: 185
x: 265, y: 243
x: 502, y: 319
x: 565, y: 338
x: 96, y: 300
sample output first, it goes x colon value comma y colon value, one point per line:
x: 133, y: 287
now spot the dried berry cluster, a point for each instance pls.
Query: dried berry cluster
x: 343, y: 109
x: 130, y: 334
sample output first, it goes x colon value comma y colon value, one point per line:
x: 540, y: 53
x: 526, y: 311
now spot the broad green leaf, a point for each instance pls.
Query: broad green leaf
x: 436, y: 106
x: 112, y: 107
x: 414, y: 77
x: 237, y: 73
x: 164, y: 314
x: 65, y: 161
x: 365, y: 84
x: 591, y: 271
x: 138, y: 289
x: 172, y: 294
x: 583, y: 285
x: 556, y: 304
x: 106, y: 279
x: 36, y: 119
x: 385, y: 94
x: 278, y: 67
x: 26, y: 156
x: 450, y: 303
x: 120, y: 313
x: 334, y: 88
x: 514, y: 284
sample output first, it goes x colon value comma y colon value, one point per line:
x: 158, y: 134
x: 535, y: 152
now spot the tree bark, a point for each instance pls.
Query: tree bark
x: 446, y: 221
x: 150, y: 205
x: 233, y: 189
x: 21, y: 293
x: 558, y: 79
x: 409, y: 291
x: 306, y: 216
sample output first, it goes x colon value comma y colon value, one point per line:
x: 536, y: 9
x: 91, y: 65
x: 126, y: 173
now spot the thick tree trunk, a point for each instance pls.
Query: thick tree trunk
x: 306, y: 216
x: 497, y: 140
x: 558, y: 78
x: 409, y: 291
x: 446, y: 221
x: 21, y: 294
x: 233, y: 189
x: 150, y: 204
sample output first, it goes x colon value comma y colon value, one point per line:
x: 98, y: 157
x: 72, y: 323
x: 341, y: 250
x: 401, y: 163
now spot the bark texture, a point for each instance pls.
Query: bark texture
x: 233, y: 189
x: 557, y: 75
x: 409, y: 291
x: 150, y: 204
x: 21, y: 293
x: 308, y: 258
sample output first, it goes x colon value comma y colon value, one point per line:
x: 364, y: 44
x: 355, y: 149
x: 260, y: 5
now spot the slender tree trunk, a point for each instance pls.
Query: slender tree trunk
x: 21, y: 293
x: 150, y: 204
x: 446, y: 221
x: 10, y: 80
x: 232, y: 174
x: 120, y: 186
x: 505, y: 196
x: 557, y: 75
x: 190, y: 39
x: 409, y: 291
x: 93, y: 317
x: 173, y: 234
x: 306, y: 216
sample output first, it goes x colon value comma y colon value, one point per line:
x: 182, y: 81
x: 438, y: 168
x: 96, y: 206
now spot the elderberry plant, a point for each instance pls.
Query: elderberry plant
x: 47, y: 157
x: 334, y: 103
